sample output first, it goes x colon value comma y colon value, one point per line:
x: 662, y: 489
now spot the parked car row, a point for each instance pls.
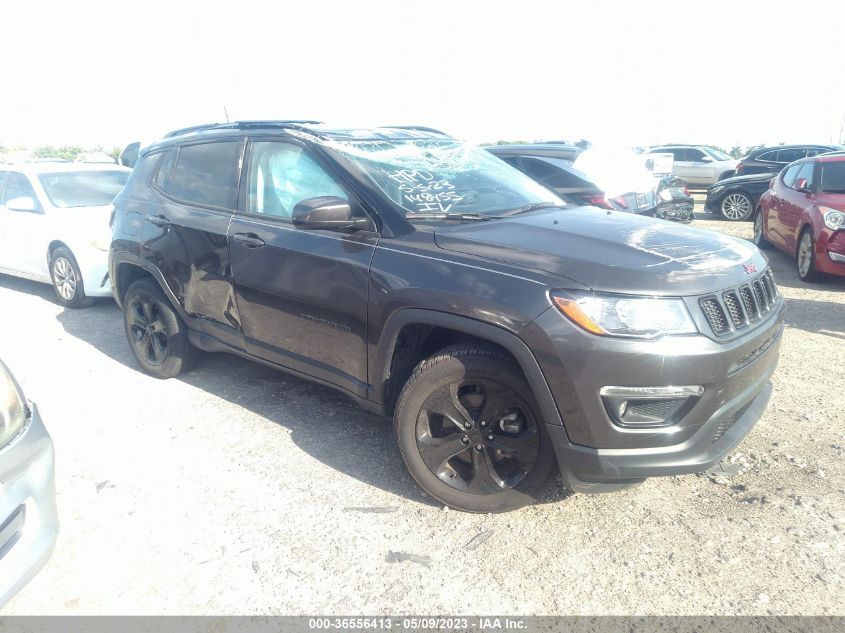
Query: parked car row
x: 609, y: 179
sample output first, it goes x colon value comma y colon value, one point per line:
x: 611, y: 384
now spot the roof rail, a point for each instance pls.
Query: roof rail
x: 241, y: 125
x: 417, y: 128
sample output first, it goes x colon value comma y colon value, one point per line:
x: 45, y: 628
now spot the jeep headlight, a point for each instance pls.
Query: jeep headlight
x: 715, y: 190
x: 13, y: 409
x: 624, y: 315
x: 833, y: 219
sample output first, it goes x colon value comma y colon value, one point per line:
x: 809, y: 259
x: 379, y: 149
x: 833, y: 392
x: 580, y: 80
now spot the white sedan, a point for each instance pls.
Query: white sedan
x: 54, y: 226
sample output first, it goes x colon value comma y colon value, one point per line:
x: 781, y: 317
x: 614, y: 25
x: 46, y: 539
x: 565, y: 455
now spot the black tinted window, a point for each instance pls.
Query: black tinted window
x: 207, y: 174
x: 815, y: 151
x: 832, y: 177
x: 769, y: 156
x: 538, y: 168
x: 694, y: 154
x: 789, y: 155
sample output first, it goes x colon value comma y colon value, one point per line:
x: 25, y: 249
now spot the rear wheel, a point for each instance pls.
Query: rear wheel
x: 467, y: 427
x: 805, y: 258
x: 737, y: 207
x: 157, y: 336
x: 759, y: 239
x: 67, y: 280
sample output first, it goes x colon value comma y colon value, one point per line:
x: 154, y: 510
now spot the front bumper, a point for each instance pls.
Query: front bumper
x: 591, y: 448
x: 28, y: 518
x: 830, y: 252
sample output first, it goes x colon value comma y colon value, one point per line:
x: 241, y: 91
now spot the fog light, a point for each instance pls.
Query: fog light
x: 649, y: 406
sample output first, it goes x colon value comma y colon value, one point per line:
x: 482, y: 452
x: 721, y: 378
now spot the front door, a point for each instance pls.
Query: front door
x: 302, y: 294
x: 793, y: 204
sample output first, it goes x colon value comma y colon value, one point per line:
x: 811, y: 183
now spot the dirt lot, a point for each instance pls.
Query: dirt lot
x: 237, y: 489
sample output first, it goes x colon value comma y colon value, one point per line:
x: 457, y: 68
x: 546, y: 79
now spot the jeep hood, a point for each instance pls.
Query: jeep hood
x: 609, y: 251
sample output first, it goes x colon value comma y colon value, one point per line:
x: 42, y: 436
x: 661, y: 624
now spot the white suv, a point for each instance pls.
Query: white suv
x: 54, y: 225
x: 698, y: 164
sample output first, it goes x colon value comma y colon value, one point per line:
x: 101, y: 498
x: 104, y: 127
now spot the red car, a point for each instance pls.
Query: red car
x: 803, y: 214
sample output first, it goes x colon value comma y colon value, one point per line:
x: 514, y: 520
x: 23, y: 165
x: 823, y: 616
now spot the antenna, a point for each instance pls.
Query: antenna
x: 226, y: 114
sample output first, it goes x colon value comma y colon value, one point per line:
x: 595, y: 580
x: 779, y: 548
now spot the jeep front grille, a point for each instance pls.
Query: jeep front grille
x: 741, y: 306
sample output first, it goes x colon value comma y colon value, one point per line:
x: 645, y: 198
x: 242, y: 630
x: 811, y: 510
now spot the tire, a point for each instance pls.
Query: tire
x: 737, y: 207
x: 759, y: 240
x: 67, y: 280
x: 805, y: 256
x: 157, y: 335
x: 467, y: 428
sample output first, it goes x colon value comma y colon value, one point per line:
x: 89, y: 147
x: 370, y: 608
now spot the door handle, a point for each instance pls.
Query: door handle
x: 158, y: 220
x: 250, y: 240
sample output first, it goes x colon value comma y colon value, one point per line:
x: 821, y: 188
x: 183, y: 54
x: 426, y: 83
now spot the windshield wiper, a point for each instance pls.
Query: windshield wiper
x: 534, y: 206
x: 452, y: 216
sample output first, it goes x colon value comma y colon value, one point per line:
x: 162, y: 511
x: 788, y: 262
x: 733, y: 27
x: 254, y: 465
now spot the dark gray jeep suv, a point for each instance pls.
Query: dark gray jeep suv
x: 505, y: 331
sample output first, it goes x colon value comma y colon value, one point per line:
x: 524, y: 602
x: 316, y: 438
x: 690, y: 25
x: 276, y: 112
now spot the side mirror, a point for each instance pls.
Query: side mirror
x: 802, y: 185
x: 705, y: 159
x: 23, y: 203
x: 326, y: 212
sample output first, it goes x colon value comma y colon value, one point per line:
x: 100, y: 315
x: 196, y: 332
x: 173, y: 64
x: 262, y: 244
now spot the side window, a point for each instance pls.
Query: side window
x: 771, y: 157
x: 165, y: 167
x: 679, y: 153
x: 206, y: 174
x: 806, y: 172
x: 789, y: 174
x: 815, y: 151
x: 538, y: 169
x: 792, y: 154
x: 18, y: 186
x: 2, y: 181
x: 695, y: 155
x: 281, y: 175
x: 513, y: 161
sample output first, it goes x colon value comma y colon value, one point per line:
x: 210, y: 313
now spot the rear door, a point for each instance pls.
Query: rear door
x: 301, y: 294
x: 184, y: 234
x: 779, y: 199
x: 23, y: 246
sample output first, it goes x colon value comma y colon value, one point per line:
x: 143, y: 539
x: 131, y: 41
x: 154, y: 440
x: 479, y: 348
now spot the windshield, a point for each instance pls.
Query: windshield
x: 832, y: 177
x: 82, y: 188
x: 435, y: 177
x: 717, y: 153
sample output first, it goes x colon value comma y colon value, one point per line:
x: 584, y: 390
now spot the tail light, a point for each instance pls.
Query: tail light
x: 739, y: 169
x: 620, y: 200
x: 686, y: 191
x: 597, y: 200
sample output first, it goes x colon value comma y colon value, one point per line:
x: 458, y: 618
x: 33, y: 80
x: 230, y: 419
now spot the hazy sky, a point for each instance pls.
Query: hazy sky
x: 723, y: 73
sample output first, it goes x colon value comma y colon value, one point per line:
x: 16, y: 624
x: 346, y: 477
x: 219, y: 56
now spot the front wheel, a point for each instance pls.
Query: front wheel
x: 737, y: 207
x: 760, y: 240
x: 157, y: 336
x: 806, y: 256
x: 468, y: 430
x: 67, y: 279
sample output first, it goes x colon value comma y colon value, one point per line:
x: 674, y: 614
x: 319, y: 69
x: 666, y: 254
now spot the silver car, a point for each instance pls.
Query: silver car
x: 28, y: 520
x: 699, y: 165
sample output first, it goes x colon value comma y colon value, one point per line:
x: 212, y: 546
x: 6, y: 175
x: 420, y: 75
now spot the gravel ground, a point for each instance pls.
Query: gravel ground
x: 240, y: 490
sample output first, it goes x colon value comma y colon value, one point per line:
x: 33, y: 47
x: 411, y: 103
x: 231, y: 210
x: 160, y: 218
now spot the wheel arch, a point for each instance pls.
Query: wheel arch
x: 412, y: 334
x: 126, y: 268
